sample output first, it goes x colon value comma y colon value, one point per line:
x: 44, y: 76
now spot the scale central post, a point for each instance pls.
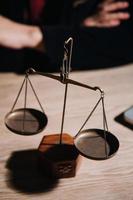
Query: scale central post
x: 64, y: 162
x: 65, y: 69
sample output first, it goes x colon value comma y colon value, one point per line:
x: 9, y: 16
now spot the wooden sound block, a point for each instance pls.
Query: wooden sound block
x: 59, y: 160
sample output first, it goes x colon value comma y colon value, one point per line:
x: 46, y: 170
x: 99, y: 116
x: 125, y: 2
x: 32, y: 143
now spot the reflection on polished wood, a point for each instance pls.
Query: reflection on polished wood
x: 20, y: 174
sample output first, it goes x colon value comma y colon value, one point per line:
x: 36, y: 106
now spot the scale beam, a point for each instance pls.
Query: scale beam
x: 66, y: 80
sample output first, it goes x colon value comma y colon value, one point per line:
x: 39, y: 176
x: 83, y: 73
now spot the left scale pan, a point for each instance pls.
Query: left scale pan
x: 26, y: 121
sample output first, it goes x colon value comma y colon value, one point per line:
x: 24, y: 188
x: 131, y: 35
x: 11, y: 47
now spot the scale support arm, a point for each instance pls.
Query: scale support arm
x: 65, y: 81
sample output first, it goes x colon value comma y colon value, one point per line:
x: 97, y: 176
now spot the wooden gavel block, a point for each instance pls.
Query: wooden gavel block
x: 59, y: 160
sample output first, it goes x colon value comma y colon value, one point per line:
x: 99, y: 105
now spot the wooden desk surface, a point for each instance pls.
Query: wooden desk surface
x: 111, y: 179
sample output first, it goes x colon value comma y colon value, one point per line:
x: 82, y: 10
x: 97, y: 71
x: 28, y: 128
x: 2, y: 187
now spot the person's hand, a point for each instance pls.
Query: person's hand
x: 17, y: 36
x: 109, y: 14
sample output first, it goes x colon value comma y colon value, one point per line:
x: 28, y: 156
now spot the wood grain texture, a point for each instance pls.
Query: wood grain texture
x: 112, y: 179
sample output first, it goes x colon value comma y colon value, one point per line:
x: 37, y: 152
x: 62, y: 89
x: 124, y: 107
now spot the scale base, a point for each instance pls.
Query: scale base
x: 59, y: 160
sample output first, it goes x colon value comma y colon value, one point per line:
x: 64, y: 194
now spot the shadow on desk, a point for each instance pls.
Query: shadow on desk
x: 25, y: 174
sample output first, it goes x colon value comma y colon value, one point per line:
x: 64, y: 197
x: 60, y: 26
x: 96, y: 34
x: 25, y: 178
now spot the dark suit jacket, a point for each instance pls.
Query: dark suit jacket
x: 93, y: 47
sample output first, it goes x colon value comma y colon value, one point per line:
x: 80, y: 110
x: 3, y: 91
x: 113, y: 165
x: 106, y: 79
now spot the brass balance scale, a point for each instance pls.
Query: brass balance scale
x: 97, y: 144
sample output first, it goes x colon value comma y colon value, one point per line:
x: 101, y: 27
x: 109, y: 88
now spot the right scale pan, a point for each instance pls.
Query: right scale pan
x: 96, y: 144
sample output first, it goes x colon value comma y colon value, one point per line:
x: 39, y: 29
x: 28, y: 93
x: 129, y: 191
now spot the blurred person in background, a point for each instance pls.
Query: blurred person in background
x: 32, y: 33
